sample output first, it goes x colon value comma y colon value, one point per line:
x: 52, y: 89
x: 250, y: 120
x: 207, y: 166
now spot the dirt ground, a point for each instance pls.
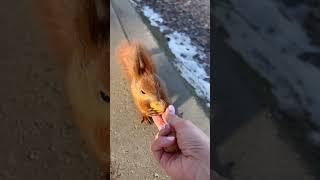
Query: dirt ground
x: 38, y: 139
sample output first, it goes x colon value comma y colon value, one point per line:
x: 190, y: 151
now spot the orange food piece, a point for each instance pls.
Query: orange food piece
x: 159, y: 106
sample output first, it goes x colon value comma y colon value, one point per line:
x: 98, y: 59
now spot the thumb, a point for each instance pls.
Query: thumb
x: 169, y: 114
x: 171, y: 118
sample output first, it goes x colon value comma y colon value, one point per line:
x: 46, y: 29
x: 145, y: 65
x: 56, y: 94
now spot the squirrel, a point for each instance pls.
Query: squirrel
x: 147, y: 89
x: 78, y: 34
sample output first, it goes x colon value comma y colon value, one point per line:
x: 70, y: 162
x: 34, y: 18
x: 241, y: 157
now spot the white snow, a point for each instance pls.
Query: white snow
x: 193, y: 72
x: 154, y: 18
x: 184, y: 51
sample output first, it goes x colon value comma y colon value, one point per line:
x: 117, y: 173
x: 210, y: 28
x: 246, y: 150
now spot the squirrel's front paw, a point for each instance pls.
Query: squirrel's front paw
x: 152, y: 112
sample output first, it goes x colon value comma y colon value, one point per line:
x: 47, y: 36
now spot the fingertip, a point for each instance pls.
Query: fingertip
x: 169, y: 113
x: 170, y: 139
x: 166, y: 141
x: 171, y: 110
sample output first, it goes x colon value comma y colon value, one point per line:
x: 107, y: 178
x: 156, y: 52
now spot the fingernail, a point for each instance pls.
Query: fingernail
x: 170, y: 138
x: 171, y: 110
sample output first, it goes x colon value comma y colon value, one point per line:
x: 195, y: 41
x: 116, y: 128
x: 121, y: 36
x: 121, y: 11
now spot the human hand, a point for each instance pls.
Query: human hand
x: 193, y: 159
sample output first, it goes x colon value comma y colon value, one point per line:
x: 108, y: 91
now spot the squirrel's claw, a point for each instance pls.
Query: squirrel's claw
x: 150, y: 120
x: 147, y: 119
x: 152, y: 113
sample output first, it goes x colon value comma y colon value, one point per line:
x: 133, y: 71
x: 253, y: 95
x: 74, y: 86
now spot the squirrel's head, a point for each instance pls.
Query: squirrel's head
x: 145, y: 84
x: 147, y: 87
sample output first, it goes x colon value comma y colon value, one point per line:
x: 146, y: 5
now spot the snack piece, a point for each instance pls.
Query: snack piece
x: 159, y: 106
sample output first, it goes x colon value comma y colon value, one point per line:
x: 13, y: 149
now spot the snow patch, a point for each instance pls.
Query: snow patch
x: 195, y: 74
x: 154, y: 18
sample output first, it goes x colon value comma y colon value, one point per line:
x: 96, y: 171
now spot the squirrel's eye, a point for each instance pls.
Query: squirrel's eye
x: 143, y: 92
x: 104, y: 97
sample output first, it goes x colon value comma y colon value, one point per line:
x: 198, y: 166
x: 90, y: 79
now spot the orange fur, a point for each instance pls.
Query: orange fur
x: 133, y: 55
x: 146, y: 86
x: 79, y: 34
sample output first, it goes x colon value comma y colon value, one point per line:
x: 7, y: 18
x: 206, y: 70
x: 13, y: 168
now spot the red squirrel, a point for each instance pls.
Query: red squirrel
x: 147, y: 89
x: 78, y: 32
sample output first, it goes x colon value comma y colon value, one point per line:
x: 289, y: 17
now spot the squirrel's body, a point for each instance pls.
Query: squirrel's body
x: 146, y: 86
x: 79, y: 34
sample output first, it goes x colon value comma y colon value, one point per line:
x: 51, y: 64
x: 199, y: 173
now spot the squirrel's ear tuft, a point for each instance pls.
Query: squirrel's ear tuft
x: 144, y: 60
x: 140, y: 63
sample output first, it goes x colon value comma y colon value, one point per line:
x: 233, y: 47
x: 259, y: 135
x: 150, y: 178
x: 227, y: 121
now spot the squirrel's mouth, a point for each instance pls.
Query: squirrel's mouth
x: 157, y: 108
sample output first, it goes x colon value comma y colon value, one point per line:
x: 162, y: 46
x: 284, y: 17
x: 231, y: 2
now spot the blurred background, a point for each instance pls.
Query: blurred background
x: 38, y: 138
x: 266, y: 62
